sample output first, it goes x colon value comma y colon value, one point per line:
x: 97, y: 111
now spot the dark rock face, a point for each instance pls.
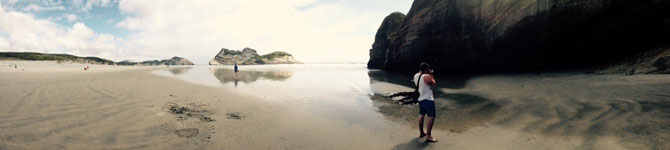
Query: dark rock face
x: 457, y: 36
x: 385, y: 35
x: 656, y: 61
x: 230, y: 57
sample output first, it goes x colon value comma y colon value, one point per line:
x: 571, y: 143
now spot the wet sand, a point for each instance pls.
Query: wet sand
x: 131, y: 108
x: 54, y: 106
x: 554, y: 111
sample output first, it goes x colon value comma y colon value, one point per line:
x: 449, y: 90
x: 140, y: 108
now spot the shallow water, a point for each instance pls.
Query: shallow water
x: 590, y: 109
x: 334, y: 91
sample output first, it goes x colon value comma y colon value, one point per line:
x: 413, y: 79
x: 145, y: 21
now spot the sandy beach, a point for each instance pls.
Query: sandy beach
x: 60, y: 106
x: 106, y: 107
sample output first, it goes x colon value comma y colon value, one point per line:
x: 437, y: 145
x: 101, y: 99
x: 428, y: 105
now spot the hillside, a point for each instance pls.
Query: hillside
x: 60, y: 58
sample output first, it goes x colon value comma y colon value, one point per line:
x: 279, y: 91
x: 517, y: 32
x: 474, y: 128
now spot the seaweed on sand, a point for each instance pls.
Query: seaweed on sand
x: 407, y: 97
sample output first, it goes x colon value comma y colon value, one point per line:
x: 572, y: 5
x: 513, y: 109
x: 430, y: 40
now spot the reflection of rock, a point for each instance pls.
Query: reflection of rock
x: 229, y: 75
x: 179, y: 70
x: 455, y: 112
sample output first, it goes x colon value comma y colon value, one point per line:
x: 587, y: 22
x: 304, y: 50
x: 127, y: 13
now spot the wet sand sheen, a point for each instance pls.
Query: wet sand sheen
x: 586, y: 111
x: 132, y: 108
x: 129, y: 109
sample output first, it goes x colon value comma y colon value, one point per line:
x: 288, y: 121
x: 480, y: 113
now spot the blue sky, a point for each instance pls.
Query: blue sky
x: 312, y: 30
x: 99, y: 17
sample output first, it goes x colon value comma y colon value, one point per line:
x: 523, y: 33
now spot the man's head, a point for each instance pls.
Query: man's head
x: 424, y: 67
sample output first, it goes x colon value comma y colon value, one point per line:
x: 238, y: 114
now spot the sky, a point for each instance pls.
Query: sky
x: 138, y: 30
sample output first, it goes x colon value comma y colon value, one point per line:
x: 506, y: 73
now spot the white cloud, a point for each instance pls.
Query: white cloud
x: 71, y: 17
x: 24, y: 32
x: 37, y: 8
x: 197, y: 30
x: 10, y: 2
x: 91, y: 3
x: 311, y: 30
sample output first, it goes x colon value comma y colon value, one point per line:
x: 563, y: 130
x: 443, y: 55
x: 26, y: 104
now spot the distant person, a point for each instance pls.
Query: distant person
x: 425, y: 81
x: 236, y: 68
x: 15, y: 66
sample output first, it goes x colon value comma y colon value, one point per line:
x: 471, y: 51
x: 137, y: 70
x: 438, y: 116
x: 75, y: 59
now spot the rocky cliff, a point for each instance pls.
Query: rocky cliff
x: 458, y: 36
x: 249, y: 56
x: 172, y: 61
x: 387, y: 33
x: 656, y: 61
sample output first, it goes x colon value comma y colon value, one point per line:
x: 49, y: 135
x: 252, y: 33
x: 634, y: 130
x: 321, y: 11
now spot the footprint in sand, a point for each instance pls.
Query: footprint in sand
x: 235, y: 115
x: 189, y: 110
x: 189, y: 132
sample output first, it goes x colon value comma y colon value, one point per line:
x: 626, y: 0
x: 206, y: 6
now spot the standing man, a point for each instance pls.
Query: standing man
x: 236, y: 68
x: 425, y: 81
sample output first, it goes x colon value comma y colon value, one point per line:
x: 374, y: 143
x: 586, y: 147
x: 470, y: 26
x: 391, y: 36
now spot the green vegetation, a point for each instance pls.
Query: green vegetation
x: 126, y: 63
x: 56, y: 57
x: 260, y: 59
x: 274, y: 55
x: 231, y: 52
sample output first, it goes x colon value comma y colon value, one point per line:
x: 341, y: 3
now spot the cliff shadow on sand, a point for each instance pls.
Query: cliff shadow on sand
x: 587, y: 110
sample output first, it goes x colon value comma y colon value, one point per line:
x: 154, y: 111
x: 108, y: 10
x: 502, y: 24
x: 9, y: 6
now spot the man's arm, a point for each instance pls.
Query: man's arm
x: 429, y: 80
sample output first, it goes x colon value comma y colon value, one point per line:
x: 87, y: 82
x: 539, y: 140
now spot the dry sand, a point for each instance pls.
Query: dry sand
x: 53, y: 106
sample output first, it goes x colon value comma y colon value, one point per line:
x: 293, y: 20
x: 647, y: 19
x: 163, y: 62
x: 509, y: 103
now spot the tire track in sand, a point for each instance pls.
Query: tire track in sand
x: 28, y: 97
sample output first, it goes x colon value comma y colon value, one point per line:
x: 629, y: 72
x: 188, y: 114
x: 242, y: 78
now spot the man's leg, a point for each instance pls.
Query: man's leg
x: 431, y: 119
x: 421, y: 133
x: 429, y: 137
x: 430, y: 124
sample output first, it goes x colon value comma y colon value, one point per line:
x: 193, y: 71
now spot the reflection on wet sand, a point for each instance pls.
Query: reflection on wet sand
x: 456, y: 112
x: 179, y: 70
x: 632, y: 111
x: 472, y: 111
x: 229, y: 75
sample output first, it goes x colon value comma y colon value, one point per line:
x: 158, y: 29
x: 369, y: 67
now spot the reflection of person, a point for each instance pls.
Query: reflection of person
x: 236, y: 68
x: 426, y: 101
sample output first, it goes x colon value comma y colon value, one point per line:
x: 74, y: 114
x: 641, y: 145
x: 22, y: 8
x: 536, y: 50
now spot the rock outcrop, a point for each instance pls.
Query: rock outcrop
x: 458, y: 36
x: 172, y: 61
x: 387, y: 33
x: 656, y: 61
x: 249, y: 56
